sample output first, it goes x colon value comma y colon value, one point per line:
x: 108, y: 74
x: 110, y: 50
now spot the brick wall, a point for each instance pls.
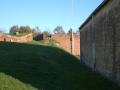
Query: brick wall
x: 86, y: 45
x: 65, y: 42
x: 28, y: 37
x: 40, y: 37
x: 107, y: 41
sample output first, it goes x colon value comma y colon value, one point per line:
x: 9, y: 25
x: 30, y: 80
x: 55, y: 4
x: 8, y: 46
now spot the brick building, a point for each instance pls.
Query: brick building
x: 65, y: 42
x: 100, y: 40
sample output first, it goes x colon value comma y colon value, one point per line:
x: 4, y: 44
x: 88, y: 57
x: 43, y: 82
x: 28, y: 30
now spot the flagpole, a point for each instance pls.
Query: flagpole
x: 72, y: 37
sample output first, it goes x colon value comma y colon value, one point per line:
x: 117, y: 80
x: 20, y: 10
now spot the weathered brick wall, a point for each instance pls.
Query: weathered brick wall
x: 107, y: 41
x: 1, y: 37
x: 77, y: 45
x: 22, y: 39
x: 65, y: 42
x: 40, y: 37
x: 86, y: 45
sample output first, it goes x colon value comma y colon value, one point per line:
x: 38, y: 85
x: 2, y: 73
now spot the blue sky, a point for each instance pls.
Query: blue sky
x: 46, y: 14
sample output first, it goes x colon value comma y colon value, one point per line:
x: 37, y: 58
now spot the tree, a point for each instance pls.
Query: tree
x: 34, y: 32
x: 22, y: 29
x: 25, y: 29
x: 70, y: 31
x: 77, y: 32
x: 59, y: 30
x: 28, y: 29
x: 2, y: 31
x: 38, y: 31
x: 47, y: 32
x: 14, y: 29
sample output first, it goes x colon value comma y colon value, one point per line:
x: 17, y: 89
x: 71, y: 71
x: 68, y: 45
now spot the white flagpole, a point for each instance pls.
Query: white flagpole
x: 72, y: 38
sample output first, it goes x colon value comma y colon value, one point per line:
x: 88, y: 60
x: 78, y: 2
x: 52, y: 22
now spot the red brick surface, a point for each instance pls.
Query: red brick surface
x: 17, y: 39
x: 65, y: 42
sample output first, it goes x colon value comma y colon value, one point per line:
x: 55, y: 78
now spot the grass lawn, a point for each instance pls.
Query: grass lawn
x: 20, y: 34
x: 32, y: 66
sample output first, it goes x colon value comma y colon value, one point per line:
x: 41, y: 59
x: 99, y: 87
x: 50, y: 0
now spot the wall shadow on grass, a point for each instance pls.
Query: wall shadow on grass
x: 37, y: 65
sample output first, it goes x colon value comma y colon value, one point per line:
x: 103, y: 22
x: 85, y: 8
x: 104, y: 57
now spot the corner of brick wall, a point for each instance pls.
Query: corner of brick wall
x: 65, y: 42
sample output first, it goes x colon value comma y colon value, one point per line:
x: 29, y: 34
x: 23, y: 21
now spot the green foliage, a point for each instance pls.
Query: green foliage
x: 14, y: 29
x: 24, y: 29
x: 34, y: 66
x: 51, y: 42
x: 21, y: 29
x: 20, y: 35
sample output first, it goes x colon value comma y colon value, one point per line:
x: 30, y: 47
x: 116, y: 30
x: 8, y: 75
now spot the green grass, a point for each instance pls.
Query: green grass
x: 20, y: 34
x: 42, y: 42
x: 32, y: 66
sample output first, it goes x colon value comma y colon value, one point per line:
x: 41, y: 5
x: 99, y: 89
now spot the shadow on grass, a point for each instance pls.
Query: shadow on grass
x: 48, y: 68
x: 37, y: 65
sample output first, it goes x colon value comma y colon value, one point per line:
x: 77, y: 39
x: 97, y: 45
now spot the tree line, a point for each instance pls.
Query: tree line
x: 36, y: 31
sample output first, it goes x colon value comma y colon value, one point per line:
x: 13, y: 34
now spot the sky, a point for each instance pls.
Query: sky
x: 46, y: 14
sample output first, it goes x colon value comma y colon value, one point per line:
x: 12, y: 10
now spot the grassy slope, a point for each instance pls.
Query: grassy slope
x: 31, y: 66
x: 20, y: 34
